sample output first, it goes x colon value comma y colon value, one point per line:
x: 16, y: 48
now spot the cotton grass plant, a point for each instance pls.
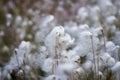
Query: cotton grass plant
x: 84, y: 47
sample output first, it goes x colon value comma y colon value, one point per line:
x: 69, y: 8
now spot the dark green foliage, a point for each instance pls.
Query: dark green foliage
x: 2, y: 17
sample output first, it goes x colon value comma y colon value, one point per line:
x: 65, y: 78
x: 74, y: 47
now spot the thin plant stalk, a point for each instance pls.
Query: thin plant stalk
x: 24, y: 67
x: 57, y: 50
x: 93, y: 57
x: 53, y: 68
x: 17, y: 59
x: 98, y: 59
x: 72, y: 76
x: 86, y: 75
x: 104, y: 39
x: 1, y: 74
x: 104, y: 43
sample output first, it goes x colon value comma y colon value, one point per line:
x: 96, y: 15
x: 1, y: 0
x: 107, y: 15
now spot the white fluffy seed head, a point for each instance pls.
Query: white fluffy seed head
x: 52, y: 77
x: 58, y: 31
x: 110, y: 19
x: 53, y: 38
x: 87, y: 66
x: 83, y: 27
x: 20, y: 72
x: 48, y: 65
x: 110, y: 46
x: 116, y: 67
x: 111, y: 62
x: 46, y: 20
x: 25, y: 47
x: 100, y: 74
x: 18, y: 20
x: 107, y: 60
x: 82, y: 14
x: 105, y: 57
x: 75, y: 59
x: 79, y: 71
x: 81, y: 50
x: 65, y: 41
x: 85, y: 34
x: 66, y: 68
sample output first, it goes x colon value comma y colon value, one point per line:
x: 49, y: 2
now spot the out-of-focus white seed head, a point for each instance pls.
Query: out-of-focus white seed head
x: 76, y: 59
x: 111, y: 19
x: 83, y: 27
x: 79, y: 71
x: 53, y: 77
x: 99, y: 29
x: 48, y: 65
x: 52, y: 39
x: 81, y: 51
x: 18, y: 20
x: 24, y: 23
x: 108, y: 60
x: 100, y: 74
x: 5, y: 49
x: 25, y: 47
x: 9, y: 19
x: 116, y: 67
x: 66, y: 40
x: 86, y: 34
x: 111, y: 62
x: 87, y: 66
x: 20, y: 73
x: 27, y: 68
x: 8, y: 76
x: 82, y: 14
x: 66, y: 68
x: 46, y: 20
x: 110, y: 46
x: 105, y: 56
